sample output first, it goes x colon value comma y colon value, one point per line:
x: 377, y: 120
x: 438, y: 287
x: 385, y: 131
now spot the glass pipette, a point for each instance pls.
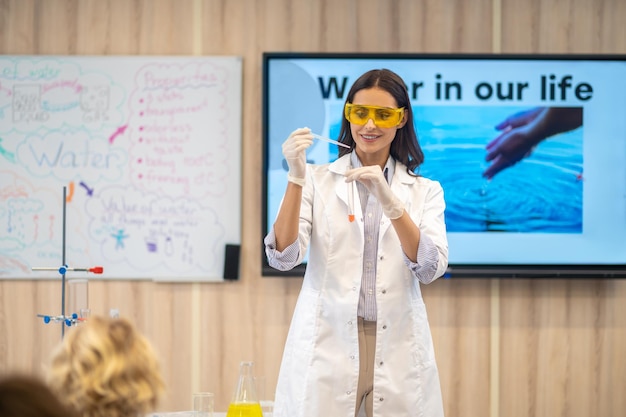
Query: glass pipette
x: 322, y: 138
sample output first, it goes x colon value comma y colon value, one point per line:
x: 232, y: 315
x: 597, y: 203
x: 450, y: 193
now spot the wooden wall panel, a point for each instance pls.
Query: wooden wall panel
x: 564, y: 26
x: 461, y: 328
x: 16, y: 26
x: 504, y: 347
x: 25, y: 341
x: 557, y: 348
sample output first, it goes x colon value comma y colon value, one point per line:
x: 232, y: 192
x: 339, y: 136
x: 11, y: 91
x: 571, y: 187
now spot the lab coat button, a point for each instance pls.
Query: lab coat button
x: 350, y: 322
x: 348, y: 392
x: 381, y: 363
x: 384, y: 326
x: 381, y: 399
x: 384, y: 291
x: 351, y: 356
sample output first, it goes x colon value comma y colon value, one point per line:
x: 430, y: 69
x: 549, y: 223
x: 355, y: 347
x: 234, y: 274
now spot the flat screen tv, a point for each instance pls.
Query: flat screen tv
x: 560, y: 211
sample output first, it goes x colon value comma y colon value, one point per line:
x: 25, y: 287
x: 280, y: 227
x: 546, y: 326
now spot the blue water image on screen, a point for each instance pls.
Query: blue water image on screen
x: 541, y: 193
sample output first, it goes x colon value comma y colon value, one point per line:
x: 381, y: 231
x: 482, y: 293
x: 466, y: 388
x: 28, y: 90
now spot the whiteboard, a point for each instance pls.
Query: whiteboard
x: 148, y: 150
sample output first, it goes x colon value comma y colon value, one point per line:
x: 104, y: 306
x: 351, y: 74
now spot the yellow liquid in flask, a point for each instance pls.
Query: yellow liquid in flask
x: 244, y: 410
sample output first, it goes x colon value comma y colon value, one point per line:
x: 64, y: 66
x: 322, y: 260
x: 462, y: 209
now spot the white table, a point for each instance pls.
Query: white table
x: 181, y: 414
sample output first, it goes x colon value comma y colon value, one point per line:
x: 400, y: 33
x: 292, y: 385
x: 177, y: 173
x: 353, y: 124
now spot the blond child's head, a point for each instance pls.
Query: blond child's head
x: 106, y: 368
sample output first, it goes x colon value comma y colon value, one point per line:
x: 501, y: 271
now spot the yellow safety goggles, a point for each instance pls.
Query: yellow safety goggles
x: 381, y: 116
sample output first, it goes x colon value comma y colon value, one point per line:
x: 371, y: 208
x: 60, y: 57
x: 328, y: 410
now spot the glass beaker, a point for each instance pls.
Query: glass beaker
x: 78, y: 297
x: 203, y: 404
x: 245, y: 401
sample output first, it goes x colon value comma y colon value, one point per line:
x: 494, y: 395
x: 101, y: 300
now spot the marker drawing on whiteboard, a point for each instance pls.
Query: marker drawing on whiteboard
x: 8, y: 155
x: 89, y: 190
x: 119, y: 236
x: 70, y: 194
x: 120, y: 130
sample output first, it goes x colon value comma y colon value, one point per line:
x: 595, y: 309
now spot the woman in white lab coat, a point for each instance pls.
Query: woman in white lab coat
x: 359, y: 334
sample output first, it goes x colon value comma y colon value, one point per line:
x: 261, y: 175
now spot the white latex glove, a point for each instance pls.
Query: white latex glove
x: 294, y: 151
x: 374, y: 180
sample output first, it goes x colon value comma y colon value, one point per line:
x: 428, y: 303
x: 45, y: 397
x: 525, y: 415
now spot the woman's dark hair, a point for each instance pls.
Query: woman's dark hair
x: 405, y: 147
x: 28, y: 396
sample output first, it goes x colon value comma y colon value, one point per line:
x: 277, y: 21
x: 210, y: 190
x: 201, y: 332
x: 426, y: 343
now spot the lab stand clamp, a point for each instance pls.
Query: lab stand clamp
x: 75, y: 317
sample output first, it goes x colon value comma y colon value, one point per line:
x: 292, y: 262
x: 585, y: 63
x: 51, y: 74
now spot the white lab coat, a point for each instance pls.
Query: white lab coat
x: 319, y: 371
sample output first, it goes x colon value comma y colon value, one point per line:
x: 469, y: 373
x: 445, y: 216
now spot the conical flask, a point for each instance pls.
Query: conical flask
x: 245, y: 401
